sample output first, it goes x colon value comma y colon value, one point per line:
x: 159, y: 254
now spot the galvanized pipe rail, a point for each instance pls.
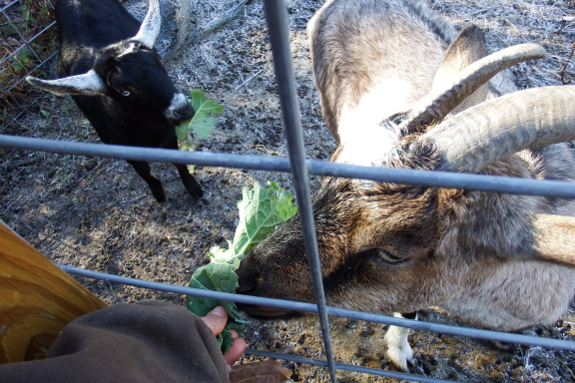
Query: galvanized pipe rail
x: 499, y: 184
x: 278, y: 24
x: 351, y: 314
x: 427, y: 178
x: 300, y: 167
x: 345, y: 313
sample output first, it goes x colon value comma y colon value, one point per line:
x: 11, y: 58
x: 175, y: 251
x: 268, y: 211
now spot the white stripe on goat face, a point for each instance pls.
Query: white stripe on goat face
x: 178, y: 106
x: 371, y: 146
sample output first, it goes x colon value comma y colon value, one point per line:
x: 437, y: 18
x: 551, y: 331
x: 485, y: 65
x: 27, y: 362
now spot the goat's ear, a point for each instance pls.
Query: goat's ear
x: 554, y: 237
x: 84, y: 84
x: 150, y: 28
x: 468, y: 47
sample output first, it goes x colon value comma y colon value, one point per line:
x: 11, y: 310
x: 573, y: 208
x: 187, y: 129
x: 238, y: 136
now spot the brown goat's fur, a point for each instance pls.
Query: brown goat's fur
x: 396, y: 248
x: 357, y: 68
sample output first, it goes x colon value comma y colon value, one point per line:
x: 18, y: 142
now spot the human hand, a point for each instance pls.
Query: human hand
x: 216, y: 320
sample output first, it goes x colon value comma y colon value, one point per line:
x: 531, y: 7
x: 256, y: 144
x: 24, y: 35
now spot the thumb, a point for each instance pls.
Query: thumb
x: 216, y: 319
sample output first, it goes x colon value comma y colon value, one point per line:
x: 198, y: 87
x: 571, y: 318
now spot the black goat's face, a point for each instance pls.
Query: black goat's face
x: 128, y: 73
x: 132, y: 77
x: 137, y: 80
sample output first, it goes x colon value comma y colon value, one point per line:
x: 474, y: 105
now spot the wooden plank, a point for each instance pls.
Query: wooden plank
x: 37, y: 299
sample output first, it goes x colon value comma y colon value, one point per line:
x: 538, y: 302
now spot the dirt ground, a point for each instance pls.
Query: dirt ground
x: 98, y: 214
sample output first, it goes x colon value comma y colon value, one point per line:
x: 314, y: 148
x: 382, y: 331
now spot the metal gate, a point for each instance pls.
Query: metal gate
x: 301, y: 168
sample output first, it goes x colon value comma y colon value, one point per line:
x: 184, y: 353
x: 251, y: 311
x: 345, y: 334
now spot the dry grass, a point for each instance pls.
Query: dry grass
x: 98, y: 214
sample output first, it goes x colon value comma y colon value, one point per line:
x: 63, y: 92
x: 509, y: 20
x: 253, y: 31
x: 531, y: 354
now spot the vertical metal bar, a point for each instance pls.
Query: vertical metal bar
x: 278, y: 24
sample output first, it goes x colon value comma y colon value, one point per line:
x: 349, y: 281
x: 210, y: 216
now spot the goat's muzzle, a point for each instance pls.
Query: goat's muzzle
x: 249, y: 281
x: 179, y: 110
x: 184, y: 114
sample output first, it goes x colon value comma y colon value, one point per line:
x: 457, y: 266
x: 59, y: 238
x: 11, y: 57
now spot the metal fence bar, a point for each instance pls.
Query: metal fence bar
x: 347, y: 367
x: 345, y: 313
x: 2, y: 9
x: 500, y: 184
x: 279, y: 34
x: 15, y: 108
x: 25, y: 46
x: 278, y: 25
x: 42, y: 62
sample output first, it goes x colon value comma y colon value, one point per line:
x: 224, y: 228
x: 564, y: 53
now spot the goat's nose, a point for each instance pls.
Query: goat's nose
x: 248, y: 280
x: 184, y: 113
x: 179, y: 110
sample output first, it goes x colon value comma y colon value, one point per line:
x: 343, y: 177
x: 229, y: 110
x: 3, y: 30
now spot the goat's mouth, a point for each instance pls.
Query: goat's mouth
x: 180, y: 116
x: 266, y: 312
x: 179, y: 110
x: 249, y: 283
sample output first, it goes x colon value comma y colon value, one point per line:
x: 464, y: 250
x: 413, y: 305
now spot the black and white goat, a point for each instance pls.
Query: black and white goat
x: 108, y: 64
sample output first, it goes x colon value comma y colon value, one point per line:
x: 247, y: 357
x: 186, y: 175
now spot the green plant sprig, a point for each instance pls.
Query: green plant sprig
x: 202, y: 124
x: 261, y: 211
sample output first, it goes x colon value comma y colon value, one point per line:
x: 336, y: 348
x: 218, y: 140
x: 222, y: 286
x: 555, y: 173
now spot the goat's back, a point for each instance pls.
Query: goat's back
x: 360, y: 74
x: 88, y: 25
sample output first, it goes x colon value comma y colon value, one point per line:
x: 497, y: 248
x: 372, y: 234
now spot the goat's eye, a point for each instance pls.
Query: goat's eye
x: 388, y: 257
x: 126, y: 93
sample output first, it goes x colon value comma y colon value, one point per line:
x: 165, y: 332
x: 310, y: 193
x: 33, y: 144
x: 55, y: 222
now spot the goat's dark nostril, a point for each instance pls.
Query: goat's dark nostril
x: 247, y: 280
x: 184, y: 114
x: 245, y: 288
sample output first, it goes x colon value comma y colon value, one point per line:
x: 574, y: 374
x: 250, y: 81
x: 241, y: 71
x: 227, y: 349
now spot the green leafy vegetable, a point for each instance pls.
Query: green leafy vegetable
x: 203, y: 121
x: 261, y: 211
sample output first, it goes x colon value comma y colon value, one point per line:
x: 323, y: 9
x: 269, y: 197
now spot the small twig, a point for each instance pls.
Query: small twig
x: 249, y: 79
x: 563, y: 71
x: 203, y: 33
x: 95, y: 168
x: 566, y: 20
x: 567, y: 367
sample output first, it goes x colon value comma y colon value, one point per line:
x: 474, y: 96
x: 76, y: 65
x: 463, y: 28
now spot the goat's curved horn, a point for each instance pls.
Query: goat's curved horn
x: 150, y: 28
x: 494, y: 129
x: 87, y: 84
x: 434, y: 107
x: 553, y: 236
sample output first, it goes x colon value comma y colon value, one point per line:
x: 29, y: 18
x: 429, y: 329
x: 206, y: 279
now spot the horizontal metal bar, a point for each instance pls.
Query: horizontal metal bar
x: 558, y: 189
x: 310, y: 307
x: 147, y: 154
x: 346, y: 367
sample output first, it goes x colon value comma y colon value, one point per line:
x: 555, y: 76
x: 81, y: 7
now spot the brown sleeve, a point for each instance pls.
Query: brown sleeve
x: 149, y: 341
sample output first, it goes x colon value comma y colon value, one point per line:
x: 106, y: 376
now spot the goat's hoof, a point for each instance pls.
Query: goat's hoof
x: 195, y: 190
x: 399, y: 357
x: 197, y: 194
x: 503, y: 346
x: 160, y: 194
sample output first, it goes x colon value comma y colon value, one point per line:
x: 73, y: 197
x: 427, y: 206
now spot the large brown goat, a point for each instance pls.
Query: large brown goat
x: 400, y: 88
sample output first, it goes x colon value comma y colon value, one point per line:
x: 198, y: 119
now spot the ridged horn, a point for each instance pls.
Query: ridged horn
x: 150, y: 28
x: 435, y: 106
x: 501, y: 127
x: 553, y: 236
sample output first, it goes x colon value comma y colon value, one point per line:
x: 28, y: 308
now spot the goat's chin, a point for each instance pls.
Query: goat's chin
x: 264, y: 312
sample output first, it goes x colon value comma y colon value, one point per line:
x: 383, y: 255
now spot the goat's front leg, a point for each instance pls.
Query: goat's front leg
x: 398, y: 350
x: 192, y: 186
x: 143, y: 169
x: 190, y: 183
